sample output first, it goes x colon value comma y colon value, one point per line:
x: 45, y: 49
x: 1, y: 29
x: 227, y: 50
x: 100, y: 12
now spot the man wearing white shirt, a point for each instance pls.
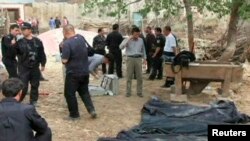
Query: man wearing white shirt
x: 170, y: 51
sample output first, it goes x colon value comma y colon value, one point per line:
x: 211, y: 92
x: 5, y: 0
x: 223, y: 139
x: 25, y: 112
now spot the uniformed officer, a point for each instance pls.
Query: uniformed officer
x: 31, y: 55
x: 157, y: 59
x: 9, y: 43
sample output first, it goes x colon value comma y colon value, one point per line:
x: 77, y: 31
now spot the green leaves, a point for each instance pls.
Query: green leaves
x: 169, y: 7
x: 245, y: 11
x: 114, y: 7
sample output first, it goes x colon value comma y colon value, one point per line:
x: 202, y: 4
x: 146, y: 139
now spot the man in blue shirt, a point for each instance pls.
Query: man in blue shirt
x: 135, y: 52
x: 75, y: 59
x: 96, y: 60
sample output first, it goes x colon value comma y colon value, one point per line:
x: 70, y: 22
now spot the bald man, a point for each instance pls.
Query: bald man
x: 75, y: 59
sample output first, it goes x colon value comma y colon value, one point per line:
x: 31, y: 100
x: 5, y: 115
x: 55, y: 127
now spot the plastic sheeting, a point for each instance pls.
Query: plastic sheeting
x: 163, y: 121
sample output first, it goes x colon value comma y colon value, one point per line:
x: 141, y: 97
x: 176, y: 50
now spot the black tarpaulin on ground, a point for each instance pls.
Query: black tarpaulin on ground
x: 162, y: 121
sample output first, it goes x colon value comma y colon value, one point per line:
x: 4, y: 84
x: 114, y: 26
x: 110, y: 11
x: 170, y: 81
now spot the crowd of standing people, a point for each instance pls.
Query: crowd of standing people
x: 157, y: 46
x: 57, y: 22
x: 34, y: 22
x: 24, y: 58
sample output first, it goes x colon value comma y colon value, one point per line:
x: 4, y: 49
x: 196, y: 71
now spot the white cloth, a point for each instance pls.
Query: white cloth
x: 170, y: 43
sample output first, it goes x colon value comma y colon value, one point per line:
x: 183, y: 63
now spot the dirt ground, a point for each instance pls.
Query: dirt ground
x: 115, y: 113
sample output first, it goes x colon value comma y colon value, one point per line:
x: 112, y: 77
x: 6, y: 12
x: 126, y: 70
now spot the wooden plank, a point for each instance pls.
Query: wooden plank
x: 198, y: 72
x: 178, y: 83
x: 207, y: 72
x: 226, y: 83
x: 237, y: 74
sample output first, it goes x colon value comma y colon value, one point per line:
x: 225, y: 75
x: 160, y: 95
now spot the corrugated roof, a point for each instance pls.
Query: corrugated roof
x: 17, y: 1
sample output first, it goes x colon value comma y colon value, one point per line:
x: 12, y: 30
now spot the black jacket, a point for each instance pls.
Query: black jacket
x: 114, y: 39
x: 160, y: 43
x: 99, y: 42
x: 18, y: 121
x: 8, y: 50
x: 31, y: 53
x: 150, y: 41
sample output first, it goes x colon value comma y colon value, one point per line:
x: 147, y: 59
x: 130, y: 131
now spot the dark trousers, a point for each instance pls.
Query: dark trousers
x: 117, y: 61
x: 149, y: 63
x: 46, y: 136
x: 168, y: 57
x: 102, y: 52
x: 32, y: 76
x: 79, y: 83
x: 35, y: 30
x: 11, y: 67
x: 157, y: 68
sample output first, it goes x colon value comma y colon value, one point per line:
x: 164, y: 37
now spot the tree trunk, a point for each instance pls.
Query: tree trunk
x: 7, y: 22
x: 190, y: 25
x: 196, y: 88
x: 232, y: 31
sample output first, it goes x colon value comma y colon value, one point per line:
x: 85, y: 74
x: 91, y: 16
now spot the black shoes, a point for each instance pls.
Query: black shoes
x: 129, y: 95
x: 34, y: 103
x: 159, y: 78
x: 69, y: 118
x: 93, y: 115
x: 140, y: 95
x: 168, y: 84
x: 43, y: 79
x: 151, y: 78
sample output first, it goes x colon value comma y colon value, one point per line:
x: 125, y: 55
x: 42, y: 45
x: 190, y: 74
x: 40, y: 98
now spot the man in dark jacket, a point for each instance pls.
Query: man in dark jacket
x: 157, y: 59
x: 9, y: 43
x: 30, y: 53
x: 75, y: 59
x: 18, y: 121
x: 114, y: 39
x: 150, y: 41
x: 99, y: 44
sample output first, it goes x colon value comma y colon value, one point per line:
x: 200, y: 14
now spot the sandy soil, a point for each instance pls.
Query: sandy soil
x: 115, y: 113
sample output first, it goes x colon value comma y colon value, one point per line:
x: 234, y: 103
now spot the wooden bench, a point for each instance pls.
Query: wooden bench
x: 204, y: 72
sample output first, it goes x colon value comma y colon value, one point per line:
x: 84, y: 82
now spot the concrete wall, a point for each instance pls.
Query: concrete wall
x: 43, y: 11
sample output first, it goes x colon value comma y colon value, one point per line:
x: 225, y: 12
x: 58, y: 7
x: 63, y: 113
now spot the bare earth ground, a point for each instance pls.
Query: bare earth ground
x: 115, y: 113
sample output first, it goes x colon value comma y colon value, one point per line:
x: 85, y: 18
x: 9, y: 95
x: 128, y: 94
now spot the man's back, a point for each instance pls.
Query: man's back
x: 113, y: 40
x: 17, y: 121
x: 75, y: 51
x: 150, y: 40
x: 95, y: 61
